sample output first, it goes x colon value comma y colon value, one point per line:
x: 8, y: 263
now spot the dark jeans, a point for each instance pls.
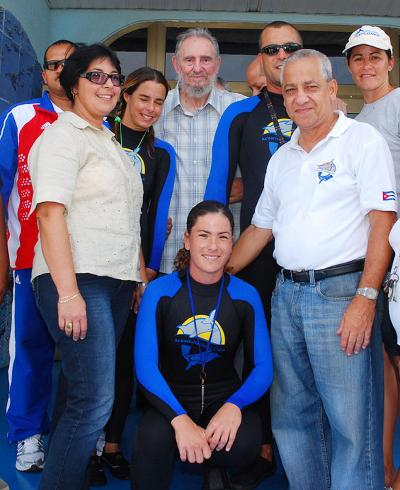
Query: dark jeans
x: 155, y: 447
x: 88, y: 367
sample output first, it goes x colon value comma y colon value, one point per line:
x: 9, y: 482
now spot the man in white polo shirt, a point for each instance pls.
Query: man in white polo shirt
x: 328, y: 210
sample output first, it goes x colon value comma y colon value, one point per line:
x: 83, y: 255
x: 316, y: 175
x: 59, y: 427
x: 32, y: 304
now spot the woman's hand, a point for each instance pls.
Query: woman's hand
x: 72, y: 318
x: 222, y: 429
x: 151, y: 274
x: 191, y: 440
x: 138, y: 294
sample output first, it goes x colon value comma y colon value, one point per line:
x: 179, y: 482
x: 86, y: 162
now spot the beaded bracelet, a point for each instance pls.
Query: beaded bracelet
x: 66, y: 299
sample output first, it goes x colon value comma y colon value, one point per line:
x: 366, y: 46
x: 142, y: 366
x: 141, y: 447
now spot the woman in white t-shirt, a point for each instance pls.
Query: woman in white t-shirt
x: 370, y: 60
x: 87, y: 202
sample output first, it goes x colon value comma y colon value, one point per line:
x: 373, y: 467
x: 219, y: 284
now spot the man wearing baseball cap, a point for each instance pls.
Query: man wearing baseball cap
x: 370, y: 60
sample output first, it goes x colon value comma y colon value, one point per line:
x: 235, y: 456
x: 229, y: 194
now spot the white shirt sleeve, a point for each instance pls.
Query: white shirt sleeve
x: 267, y: 205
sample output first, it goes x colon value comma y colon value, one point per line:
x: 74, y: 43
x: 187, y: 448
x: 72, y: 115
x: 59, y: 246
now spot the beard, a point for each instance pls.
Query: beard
x: 197, y: 92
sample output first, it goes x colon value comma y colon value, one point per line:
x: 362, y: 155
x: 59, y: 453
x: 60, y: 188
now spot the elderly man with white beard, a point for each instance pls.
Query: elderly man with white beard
x: 191, y: 114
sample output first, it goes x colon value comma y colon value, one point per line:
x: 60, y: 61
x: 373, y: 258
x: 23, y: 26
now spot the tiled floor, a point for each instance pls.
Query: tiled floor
x: 185, y: 476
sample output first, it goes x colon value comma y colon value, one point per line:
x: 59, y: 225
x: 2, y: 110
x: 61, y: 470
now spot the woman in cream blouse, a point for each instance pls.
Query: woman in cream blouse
x: 87, y: 202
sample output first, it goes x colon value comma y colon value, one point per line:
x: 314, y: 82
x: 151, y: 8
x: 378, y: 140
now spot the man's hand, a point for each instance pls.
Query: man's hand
x: 4, y: 262
x: 236, y: 190
x: 191, y: 440
x: 222, y: 428
x: 3, y: 279
x: 247, y: 248
x: 356, y: 325
x: 169, y: 228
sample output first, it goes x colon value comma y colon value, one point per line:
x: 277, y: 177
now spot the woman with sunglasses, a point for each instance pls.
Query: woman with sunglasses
x: 190, y: 325
x: 88, y: 204
x: 140, y: 105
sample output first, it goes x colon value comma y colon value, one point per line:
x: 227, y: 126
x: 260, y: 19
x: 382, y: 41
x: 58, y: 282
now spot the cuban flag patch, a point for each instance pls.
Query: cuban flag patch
x: 388, y: 196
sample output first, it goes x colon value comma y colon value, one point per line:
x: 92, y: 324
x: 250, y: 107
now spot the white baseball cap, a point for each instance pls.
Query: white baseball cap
x: 371, y: 36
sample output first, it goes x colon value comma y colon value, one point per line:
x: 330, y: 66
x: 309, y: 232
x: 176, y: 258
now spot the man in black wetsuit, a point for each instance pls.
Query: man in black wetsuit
x: 249, y: 133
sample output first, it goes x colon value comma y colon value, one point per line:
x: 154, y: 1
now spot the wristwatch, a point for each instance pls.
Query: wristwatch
x: 369, y: 293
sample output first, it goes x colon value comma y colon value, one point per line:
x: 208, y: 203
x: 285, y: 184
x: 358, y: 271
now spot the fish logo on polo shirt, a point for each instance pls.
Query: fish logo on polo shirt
x: 194, y: 338
x: 325, y: 171
x: 269, y: 133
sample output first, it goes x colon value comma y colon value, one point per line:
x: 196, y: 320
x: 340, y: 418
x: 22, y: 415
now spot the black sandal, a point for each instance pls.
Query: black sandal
x: 119, y: 466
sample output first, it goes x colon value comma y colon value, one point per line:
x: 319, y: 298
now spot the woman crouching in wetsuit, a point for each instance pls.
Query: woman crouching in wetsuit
x: 190, y: 325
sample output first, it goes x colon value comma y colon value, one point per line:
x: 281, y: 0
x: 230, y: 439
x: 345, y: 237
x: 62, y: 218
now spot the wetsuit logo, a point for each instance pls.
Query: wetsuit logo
x: 269, y: 133
x: 194, y: 346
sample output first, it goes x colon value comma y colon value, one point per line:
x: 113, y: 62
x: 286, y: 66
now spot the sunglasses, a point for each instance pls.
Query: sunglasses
x: 53, y: 65
x: 100, y: 78
x: 272, y: 49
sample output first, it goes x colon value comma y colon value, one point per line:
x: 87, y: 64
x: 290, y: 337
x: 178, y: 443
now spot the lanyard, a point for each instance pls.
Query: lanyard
x: 203, y: 354
x: 138, y: 147
x: 274, y: 118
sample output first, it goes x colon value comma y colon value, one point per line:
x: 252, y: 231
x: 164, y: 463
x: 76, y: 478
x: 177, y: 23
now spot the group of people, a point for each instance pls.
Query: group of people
x: 116, y: 193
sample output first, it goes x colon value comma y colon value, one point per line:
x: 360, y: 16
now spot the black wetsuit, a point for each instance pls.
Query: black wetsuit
x: 170, y: 349
x: 246, y: 136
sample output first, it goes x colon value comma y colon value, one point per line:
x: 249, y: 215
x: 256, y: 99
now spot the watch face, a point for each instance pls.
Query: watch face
x: 370, y: 293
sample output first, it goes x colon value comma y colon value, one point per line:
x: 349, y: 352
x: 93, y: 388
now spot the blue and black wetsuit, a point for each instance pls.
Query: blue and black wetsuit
x: 157, y: 170
x: 246, y: 136
x: 169, y: 350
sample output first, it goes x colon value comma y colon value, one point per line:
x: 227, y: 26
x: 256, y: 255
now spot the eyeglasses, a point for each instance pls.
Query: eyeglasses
x: 272, y: 49
x: 100, y: 78
x: 53, y: 65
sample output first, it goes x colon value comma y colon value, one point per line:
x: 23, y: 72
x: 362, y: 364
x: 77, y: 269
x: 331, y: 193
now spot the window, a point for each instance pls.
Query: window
x: 331, y: 44
x: 131, y: 50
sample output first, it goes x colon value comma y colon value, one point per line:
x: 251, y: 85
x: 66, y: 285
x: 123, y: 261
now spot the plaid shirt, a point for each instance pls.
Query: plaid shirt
x: 191, y: 134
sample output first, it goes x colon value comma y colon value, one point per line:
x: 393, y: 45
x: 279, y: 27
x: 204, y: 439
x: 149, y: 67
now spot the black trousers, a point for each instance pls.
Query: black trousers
x: 155, y: 447
x: 261, y: 274
x: 124, y: 379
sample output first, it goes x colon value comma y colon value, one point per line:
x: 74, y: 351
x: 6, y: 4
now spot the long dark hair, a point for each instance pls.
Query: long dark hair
x: 182, y: 258
x: 79, y: 62
x: 132, y: 83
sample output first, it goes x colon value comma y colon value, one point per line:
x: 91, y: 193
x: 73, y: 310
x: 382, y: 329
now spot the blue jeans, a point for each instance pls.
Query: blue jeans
x: 88, y: 367
x: 327, y: 407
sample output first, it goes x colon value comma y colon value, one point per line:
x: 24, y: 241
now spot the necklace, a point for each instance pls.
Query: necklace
x: 203, y: 353
x: 133, y: 154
